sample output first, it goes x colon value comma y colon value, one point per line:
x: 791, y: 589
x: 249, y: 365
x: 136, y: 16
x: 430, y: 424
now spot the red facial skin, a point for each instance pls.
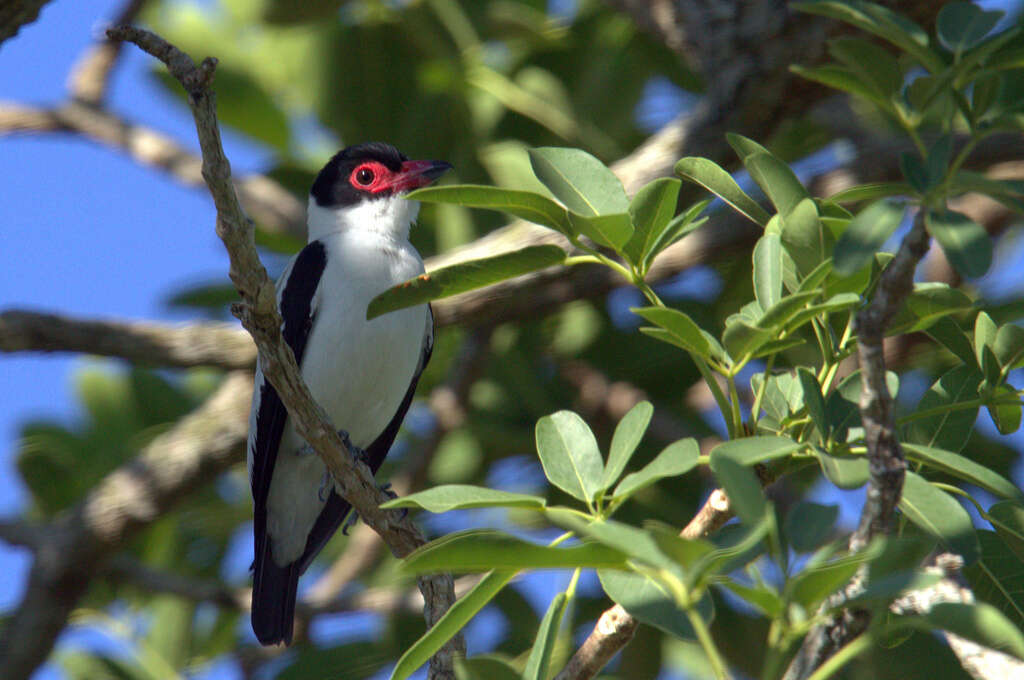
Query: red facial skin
x: 374, y: 177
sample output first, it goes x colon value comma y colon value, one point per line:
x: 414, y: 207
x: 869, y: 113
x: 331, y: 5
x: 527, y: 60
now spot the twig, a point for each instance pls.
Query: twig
x: 68, y: 550
x: 615, y: 627
x: 156, y: 344
x: 983, y: 663
x: 258, y: 313
x: 885, y: 456
x: 90, y: 75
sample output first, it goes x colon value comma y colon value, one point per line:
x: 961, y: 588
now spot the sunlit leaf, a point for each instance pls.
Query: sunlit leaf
x: 568, y: 451
x: 579, y: 180
x: 940, y: 515
x: 464, y: 276
x: 461, y: 496
x: 712, y: 177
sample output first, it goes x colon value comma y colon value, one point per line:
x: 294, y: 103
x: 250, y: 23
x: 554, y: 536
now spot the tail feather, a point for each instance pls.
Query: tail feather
x: 273, y: 598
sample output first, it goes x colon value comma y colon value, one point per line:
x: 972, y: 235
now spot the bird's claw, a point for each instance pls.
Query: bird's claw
x: 357, y: 453
x: 354, y: 516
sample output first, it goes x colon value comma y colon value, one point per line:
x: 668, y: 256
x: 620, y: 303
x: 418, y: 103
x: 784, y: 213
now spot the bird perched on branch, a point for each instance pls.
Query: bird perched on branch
x: 363, y: 373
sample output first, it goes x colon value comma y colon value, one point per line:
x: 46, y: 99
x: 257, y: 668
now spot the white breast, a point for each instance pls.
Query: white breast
x: 358, y: 370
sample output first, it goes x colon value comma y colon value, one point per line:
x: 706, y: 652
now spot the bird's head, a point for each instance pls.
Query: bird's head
x: 362, y: 187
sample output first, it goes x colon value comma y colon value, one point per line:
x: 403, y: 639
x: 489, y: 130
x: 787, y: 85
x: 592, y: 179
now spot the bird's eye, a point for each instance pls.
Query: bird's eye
x: 364, y: 176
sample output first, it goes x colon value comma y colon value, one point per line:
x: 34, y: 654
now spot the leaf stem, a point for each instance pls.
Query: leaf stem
x: 707, y: 643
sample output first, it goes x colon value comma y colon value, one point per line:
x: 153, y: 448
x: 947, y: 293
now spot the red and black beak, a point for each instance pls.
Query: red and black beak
x: 416, y: 174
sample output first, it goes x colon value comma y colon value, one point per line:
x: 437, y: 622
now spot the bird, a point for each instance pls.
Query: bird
x: 362, y: 372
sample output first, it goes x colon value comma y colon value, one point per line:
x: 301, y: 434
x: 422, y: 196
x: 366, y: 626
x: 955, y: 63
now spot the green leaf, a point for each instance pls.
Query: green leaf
x: 675, y: 459
x: 742, y: 339
x: 865, y: 235
x: 814, y: 400
x: 998, y: 577
x: 929, y: 302
x: 808, y: 525
x: 527, y: 205
x: 806, y: 239
x: 985, y: 331
x: 1007, y: 192
x: 712, y: 177
x: 846, y: 472
x: 651, y: 211
x: 960, y: 466
x: 948, y: 333
x: 871, y: 191
x: 569, y: 454
x: 611, y: 231
x: 687, y: 333
x: 979, y: 622
x: 962, y: 25
x: 940, y: 515
x: 782, y: 395
x: 879, y: 21
x: 681, y: 225
x: 465, y: 276
x: 461, y: 496
x: 1009, y: 347
x: 843, y: 79
x: 741, y: 486
x: 485, y: 667
x: 1007, y: 517
x: 757, y: 449
x: 628, y: 434
x: 540, y: 656
x: 650, y: 602
x: 873, y: 64
x: 812, y: 585
x: 483, y: 549
x: 761, y: 597
x: 913, y: 168
x: 1005, y: 416
x: 768, y: 270
x: 966, y: 243
x: 840, y: 302
x: 951, y: 428
x: 618, y: 537
x: 579, y: 181
x: 457, y: 616
x: 777, y: 180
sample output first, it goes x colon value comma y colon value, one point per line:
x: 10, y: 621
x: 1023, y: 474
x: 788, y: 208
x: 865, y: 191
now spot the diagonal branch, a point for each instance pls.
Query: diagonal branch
x: 258, y: 313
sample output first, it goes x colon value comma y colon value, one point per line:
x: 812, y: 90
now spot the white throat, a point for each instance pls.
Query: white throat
x: 391, y: 216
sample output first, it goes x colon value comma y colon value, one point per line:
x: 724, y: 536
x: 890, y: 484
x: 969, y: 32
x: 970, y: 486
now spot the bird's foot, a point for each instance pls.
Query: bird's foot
x: 354, y: 517
x: 357, y: 453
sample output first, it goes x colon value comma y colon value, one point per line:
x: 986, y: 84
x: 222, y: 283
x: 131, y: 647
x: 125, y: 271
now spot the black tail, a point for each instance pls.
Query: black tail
x: 273, y: 598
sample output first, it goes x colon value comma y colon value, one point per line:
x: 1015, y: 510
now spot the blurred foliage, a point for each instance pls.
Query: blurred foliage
x: 477, y: 83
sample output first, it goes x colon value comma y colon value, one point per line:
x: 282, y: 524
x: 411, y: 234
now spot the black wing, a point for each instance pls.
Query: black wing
x: 274, y: 587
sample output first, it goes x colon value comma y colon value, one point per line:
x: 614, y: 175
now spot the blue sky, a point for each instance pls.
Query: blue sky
x: 88, y: 232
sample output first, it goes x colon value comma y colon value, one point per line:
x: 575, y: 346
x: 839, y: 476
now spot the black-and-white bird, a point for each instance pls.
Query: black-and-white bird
x: 363, y: 373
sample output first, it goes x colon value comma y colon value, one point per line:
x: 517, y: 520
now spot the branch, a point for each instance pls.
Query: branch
x: 69, y: 550
x: 155, y: 344
x: 258, y: 313
x: 983, y: 663
x: 615, y: 627
x: 16, y: 13
x: 90, y: 75
x: 886, y: 462
x: 270, y: 204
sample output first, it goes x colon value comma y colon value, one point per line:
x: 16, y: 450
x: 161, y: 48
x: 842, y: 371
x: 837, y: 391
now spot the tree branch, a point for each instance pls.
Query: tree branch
x: 258, y: 313
x: 886, y: 462
x: 16, y: 13
x: 155, y: 344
